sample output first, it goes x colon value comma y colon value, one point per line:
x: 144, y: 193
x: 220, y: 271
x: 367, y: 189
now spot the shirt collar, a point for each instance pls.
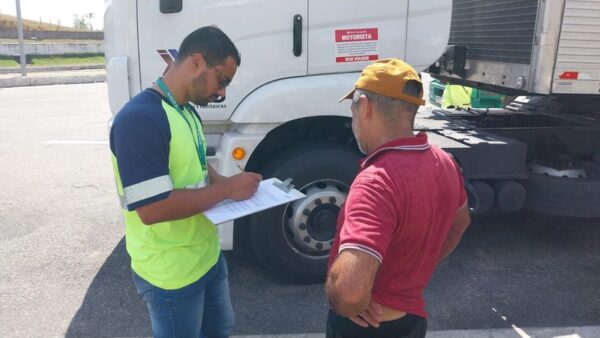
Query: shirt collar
x: 418, y: 143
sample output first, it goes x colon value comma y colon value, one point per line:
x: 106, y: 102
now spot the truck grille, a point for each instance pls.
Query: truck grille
x: 495, y: 30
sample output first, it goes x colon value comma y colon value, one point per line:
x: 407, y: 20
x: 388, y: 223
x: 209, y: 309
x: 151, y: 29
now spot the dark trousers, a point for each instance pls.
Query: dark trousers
x: 409, y: 326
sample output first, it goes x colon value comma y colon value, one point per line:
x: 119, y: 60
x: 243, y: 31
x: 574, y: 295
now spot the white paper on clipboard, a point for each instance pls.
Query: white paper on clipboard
x: 270, y: 193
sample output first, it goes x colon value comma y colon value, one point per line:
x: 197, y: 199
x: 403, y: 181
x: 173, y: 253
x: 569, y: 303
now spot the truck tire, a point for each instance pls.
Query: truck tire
x: 293, y: 240
x: 481, y: 197
x: 562, y: 196
x: 510, y: 196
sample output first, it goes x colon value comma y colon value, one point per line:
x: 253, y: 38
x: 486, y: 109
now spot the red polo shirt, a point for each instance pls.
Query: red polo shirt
x: 400, y: 209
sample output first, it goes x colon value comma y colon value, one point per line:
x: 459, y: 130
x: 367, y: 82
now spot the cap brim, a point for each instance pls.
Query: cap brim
x: 347, y: 96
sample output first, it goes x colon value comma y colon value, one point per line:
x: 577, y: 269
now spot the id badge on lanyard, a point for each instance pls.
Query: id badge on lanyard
x: 197, y: 138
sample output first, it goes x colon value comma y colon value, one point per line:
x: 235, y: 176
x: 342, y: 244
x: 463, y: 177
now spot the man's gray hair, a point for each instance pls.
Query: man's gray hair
x: 389, y: 107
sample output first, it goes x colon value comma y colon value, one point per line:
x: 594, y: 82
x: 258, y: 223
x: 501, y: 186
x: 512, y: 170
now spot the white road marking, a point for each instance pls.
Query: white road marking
x: 75, y: 142
x: 520, y: 332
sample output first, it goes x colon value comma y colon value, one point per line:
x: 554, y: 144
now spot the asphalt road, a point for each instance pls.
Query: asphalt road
x: 64, y: 270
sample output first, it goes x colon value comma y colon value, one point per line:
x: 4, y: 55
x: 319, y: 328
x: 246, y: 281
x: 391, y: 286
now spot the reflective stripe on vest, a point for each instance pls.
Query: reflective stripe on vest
x: 143, y: 190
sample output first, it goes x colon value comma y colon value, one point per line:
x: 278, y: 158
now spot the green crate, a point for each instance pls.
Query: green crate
x: 479, y: 98
x: 436, y: 90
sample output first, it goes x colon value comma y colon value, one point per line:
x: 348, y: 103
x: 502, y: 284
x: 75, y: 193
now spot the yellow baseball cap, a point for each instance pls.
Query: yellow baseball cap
x: 388, y: 77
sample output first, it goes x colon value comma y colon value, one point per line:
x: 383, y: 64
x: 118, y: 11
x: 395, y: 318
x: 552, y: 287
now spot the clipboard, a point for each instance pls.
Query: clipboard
x: 270, y: 193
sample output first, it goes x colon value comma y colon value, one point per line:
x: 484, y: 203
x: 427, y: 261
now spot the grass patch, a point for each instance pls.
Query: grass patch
x: 8, y: 63
x: 56, y: 60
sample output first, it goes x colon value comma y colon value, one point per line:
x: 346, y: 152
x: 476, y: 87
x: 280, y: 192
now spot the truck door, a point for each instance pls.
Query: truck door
x: 262, y: 30
x: 346, y: 35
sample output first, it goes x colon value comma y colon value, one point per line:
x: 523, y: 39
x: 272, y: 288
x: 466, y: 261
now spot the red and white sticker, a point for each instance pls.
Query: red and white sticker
x: 356, y: 45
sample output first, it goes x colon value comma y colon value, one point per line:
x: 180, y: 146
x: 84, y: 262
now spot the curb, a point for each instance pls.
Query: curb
x: 46, y: 81
x: 41, y: 69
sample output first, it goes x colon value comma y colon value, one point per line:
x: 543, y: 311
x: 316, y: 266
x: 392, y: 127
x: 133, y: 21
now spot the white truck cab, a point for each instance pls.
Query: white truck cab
x: 281, y: 114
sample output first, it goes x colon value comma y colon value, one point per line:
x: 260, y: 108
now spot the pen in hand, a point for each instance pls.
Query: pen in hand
x: 258, y: 177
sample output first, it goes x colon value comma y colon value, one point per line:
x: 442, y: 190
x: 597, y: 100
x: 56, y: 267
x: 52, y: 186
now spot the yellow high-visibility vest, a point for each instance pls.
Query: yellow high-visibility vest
x: 456, y: 96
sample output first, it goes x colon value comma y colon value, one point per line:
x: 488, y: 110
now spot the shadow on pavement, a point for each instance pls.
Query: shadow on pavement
x: 525, y: 269
x: 111, y: 307
x: 264, y: 305
x: 529, y: 270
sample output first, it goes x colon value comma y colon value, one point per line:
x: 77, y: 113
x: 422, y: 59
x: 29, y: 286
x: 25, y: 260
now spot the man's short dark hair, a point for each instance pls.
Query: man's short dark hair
x: 214, y: 45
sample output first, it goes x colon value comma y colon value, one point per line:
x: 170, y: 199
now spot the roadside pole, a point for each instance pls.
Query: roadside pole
x: 20, y: 30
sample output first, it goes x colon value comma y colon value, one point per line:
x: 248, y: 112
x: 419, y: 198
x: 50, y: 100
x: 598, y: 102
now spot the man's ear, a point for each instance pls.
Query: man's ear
x: 197, y: 61
x: 366, y: 108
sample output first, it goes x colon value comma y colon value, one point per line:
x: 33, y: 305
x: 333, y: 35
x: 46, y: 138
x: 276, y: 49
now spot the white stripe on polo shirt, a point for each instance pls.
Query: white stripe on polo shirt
x: 418, y: 147
x: 363, y: 248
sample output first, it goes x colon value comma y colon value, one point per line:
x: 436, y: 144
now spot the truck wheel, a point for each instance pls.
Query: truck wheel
x: 480, y: 197
x: 563, y: 196
x: 293, y: 240
x: 510, y: 196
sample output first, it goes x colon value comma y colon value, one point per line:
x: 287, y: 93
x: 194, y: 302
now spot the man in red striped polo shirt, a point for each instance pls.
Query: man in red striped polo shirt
x: 406, y: 211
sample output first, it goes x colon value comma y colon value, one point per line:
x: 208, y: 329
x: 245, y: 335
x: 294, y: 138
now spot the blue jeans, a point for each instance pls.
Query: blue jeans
x: 201, y: 309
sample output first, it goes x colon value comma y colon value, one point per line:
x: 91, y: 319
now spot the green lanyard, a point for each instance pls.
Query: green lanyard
x: 197, y: 140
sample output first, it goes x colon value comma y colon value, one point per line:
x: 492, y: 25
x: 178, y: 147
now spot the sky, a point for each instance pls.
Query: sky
x: 54, y: 10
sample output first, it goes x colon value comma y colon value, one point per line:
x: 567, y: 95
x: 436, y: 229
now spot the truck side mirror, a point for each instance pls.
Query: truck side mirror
x: 171, y: 6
